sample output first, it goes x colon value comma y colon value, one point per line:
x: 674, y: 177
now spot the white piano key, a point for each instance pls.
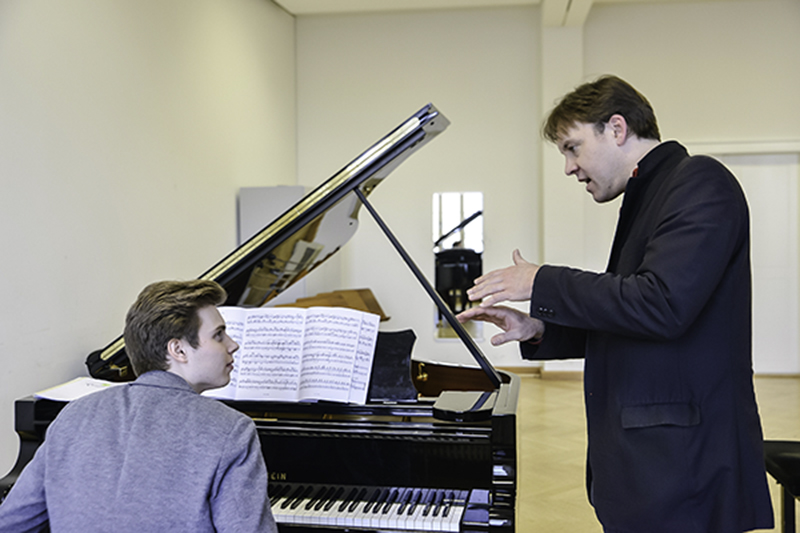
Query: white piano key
x: 453, y: 519
x: 384, y: 509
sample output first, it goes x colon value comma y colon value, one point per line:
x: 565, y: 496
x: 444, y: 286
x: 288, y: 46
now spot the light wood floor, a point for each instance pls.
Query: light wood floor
x: 552, y: 447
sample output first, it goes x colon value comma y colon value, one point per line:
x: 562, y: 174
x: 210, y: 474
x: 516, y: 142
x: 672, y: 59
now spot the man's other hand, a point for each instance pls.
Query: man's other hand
x: 513, y: 283
x: 516, y: 325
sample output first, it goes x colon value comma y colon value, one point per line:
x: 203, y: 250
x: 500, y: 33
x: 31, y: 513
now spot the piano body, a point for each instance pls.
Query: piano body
x: 442, y: 462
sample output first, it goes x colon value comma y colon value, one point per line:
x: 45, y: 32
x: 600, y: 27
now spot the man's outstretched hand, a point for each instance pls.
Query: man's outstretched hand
x: 513, y: 283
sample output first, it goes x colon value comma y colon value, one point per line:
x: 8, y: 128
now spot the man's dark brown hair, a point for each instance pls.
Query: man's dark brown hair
x: 595, y: 102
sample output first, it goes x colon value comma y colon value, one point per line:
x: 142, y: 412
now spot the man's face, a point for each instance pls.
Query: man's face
x: 210, y: 364
x: 595, y: 159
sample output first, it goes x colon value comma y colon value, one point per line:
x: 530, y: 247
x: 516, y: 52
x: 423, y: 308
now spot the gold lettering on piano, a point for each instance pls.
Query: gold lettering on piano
x: 277, y: 476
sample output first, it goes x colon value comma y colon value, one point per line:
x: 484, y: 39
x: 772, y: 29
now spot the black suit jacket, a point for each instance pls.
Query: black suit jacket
x: 675, y: 442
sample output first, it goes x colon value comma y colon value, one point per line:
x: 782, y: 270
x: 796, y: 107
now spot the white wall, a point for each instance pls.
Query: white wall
x: 714, y: 71
x: 770, y: 182
x: 361, y: 75
x: 126, y: 128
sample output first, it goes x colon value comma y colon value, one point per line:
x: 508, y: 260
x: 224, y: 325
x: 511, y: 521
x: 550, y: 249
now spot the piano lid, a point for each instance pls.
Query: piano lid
x: 303, y: 237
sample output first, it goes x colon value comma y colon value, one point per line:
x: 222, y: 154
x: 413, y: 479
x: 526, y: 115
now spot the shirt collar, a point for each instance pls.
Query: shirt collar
x: 164, y: 379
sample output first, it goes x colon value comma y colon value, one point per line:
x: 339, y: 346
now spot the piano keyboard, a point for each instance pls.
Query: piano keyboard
x: 382, y: 508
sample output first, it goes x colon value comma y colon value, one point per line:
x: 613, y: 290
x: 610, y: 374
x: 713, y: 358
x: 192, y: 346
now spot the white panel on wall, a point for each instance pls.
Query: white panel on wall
x: 258, y: 206
x: 770, y: 183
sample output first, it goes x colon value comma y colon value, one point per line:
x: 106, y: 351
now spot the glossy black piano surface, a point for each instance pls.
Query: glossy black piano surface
x: 447, y: 463
x: 379, y: 449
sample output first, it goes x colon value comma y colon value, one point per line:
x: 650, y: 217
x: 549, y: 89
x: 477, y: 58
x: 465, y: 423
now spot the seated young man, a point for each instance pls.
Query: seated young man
x: 152, y: 455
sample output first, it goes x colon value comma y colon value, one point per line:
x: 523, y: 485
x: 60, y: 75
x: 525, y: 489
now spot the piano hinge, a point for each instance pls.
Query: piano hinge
x: 421, y: 374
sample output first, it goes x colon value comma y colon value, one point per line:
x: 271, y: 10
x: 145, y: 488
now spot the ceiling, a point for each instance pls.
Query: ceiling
x: 555, y: 12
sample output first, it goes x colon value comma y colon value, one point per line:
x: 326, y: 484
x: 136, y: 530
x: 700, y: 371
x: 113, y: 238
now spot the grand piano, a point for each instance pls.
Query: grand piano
x: 445, y: 460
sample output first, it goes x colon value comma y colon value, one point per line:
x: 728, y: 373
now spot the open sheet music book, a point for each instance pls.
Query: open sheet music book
x: 293, y: 354
x: 74, y: 389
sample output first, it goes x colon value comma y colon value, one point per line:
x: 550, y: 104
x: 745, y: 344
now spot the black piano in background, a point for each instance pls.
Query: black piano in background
x: 446, y: 461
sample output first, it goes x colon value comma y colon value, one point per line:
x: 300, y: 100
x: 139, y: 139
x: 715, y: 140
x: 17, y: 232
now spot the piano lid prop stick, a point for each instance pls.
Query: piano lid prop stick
x: 491, y: 373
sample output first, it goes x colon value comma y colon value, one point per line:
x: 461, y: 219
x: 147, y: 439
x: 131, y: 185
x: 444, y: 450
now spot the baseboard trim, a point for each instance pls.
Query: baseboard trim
x: 522, y: 370
x: 563, y: 375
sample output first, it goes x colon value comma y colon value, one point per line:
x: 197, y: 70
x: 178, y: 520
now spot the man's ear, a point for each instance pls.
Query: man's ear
x: 175, y: 351
x: 619, y: 127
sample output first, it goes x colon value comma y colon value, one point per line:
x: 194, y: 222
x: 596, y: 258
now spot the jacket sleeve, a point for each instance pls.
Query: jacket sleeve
x: 239, y: 499
x: 700, y: 224
x: 559, y: 342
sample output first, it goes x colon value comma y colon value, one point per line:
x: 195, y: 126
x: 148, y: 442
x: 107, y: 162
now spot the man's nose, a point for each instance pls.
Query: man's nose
x: 570, y: 167
x: 232, y: 345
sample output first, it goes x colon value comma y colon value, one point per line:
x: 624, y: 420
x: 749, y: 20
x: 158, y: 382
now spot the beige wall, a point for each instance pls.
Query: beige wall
x: 714, y: 71
x: 359, y: 76
x: 126, y: 128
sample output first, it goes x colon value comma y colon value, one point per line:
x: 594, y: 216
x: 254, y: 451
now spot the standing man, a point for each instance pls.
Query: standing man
x: 152, y: 455
x: 674, y: 436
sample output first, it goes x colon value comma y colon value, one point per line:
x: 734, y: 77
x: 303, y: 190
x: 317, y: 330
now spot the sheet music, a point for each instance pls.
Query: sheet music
x: 271, y: 354
x: 74, y: 389
x: 295, y: 354
x: 365, y: 353
x: 330, y: 348
x: 234, y: 326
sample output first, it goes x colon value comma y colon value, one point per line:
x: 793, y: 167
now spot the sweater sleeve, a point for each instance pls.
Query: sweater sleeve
x: 239, y: 499
x: 25, y: 508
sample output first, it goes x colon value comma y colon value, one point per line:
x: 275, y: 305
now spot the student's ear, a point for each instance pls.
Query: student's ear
x: 619, y: 127
x: 175, y: 350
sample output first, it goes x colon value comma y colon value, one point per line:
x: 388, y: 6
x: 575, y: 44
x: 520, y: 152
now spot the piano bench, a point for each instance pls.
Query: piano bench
x: 782, y: 459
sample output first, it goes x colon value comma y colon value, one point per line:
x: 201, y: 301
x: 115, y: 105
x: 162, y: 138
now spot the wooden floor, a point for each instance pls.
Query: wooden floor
x: 552, y: 448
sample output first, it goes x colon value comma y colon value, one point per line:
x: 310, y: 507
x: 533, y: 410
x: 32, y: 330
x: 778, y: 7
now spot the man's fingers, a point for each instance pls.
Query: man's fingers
x: 495, y: 298
x: 516, y: 256
x: 499, y: 339
x: 469, y: 314
x: 480, y: 291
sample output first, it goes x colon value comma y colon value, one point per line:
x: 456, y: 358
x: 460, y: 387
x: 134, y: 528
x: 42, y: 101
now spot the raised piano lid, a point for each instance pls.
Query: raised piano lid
x: 305, y: 235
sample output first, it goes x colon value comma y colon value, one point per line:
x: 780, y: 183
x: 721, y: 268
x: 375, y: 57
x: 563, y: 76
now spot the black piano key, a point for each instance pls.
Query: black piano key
x: 390, y: 500
x: 305, y: 494
x: 296, y: 494
x: 372, y: 500
x: 279, y: 492
x: 333, y: 499
x: 384, y: 494
x: 404, y: 500
x: 437, y: 506
x: 273, y: 489
x: 429, y: 502
x: 412, y: 504
x: 358, y: 499
x: 313, y: 501
x: 325, y: 499
x: 349, y: 500
x: 448, y: 502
